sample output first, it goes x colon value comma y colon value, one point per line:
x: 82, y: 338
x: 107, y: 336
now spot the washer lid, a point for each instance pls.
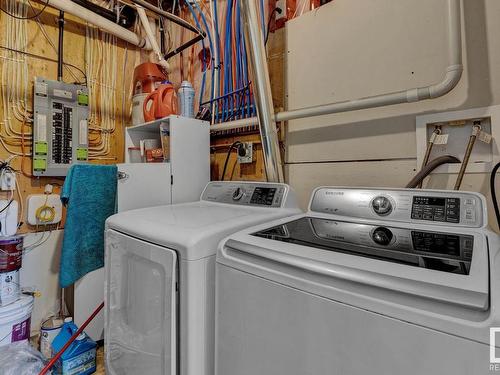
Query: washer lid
x: 344, y: 255
x: 193, y: 229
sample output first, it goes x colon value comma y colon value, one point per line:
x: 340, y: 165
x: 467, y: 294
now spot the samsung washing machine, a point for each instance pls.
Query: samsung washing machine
x: 160, y: 276
x: 368, y: 281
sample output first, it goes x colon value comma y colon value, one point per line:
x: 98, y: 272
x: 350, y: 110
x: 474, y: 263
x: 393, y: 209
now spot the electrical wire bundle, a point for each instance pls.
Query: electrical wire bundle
x: 15, y: 79
x: 101, y: 55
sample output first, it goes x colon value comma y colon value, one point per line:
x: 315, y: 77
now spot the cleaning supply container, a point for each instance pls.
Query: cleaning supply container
x: 48, y: 332
x: 160, y: 103
x: 137, y: 108
x: 15, y: 320
x: 10, y: 289
x: 11, y: 253
x: 80, y: 357
x: 186, y: 99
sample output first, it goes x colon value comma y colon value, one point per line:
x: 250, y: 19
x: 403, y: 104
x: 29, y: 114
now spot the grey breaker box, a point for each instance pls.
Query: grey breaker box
x: 60, y: 128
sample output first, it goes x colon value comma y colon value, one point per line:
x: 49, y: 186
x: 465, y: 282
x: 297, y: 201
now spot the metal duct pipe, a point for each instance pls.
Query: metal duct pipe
x: 452, y: 76
x: 262, y: 89
x: 87, y: 15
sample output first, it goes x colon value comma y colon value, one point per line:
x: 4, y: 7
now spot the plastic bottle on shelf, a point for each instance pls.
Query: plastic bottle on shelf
x: 186, y: 99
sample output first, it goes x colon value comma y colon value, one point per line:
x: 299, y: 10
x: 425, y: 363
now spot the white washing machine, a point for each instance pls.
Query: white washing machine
x: 160, y: 276
x: 368, y: 281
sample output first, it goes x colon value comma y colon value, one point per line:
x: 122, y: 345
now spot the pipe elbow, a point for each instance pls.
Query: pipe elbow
x: 451, y: 79
x: 145, y: 44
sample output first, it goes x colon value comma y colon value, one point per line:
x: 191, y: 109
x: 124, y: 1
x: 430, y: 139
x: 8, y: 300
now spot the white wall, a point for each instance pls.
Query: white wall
x: 350, y: 49
x: 40, y: 270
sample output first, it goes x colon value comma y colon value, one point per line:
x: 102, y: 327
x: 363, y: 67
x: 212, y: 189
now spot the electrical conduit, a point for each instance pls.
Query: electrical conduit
x: 152, y: 40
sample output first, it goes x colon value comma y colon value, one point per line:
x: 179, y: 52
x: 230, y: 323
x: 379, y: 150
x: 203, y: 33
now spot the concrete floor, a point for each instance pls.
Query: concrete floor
x: 99, y: 357
x: 100, y: 361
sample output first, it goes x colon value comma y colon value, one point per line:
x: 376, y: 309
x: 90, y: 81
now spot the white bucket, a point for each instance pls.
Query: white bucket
x: 10, y: 291
x: 15, y: 321
x: 137, y: 108
x: 50, y: 329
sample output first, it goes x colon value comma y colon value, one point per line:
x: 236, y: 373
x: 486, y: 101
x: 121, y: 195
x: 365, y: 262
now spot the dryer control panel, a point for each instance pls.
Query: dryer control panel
x: 464, y: 209
x: 246, y: 193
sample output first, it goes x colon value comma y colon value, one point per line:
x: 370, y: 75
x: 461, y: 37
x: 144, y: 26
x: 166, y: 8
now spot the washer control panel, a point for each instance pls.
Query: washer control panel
x: 436, y: 209
x: 454, y: 208
x: 247, y: 194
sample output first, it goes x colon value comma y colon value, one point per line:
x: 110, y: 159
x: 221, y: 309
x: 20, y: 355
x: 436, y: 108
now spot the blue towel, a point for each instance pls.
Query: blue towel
x: 89, y: 192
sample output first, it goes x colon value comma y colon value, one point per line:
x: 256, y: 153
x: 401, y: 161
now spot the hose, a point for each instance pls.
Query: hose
x: 476, y: 129
x: 493, y: 192
x: 430, y: 144
x: 433, y: 164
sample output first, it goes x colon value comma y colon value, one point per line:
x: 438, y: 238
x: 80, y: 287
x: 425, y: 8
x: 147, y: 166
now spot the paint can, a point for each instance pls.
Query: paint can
x: 10, y: 289
x: 50, y: 329
x: 15, y: 321
x: 11, y: 253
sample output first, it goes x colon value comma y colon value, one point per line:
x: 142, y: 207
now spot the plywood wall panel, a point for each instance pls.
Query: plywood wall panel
x: 74, y: 53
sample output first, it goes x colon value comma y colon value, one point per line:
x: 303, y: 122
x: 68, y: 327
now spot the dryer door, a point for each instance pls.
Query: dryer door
x: 141, y: 303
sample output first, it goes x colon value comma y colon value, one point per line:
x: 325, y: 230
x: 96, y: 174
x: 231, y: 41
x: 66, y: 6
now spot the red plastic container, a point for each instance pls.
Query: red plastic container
x: 11, y: 253
x: 160, y: 103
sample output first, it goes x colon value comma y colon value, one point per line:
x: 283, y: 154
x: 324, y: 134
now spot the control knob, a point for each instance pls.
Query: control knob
x: 382, y: 205
x: 382, y: 236
x: 238, y: 194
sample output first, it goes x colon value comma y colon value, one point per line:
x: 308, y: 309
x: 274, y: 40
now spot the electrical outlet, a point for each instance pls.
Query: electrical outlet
x: 245, y: 153
x: 8, y: 181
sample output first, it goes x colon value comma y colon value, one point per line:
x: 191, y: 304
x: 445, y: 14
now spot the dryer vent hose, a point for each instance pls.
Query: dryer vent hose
x: 433, y: 164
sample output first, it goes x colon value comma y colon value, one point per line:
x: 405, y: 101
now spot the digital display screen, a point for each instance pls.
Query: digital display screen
x: 436, y: 243
x: 263, y: 196
x: 430, y: 201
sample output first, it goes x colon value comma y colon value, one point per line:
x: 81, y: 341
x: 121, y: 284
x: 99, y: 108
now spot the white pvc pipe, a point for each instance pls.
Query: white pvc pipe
x: 453, y: 73
x: 152, y: 39
x: 87, y: 15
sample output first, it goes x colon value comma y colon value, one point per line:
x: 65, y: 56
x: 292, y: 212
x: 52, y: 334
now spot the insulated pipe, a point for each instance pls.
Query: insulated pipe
x: 262, y: 90
x: 172, y: 17
x: 87, y: 15
x: 453, y: 73
x: 152, y: 39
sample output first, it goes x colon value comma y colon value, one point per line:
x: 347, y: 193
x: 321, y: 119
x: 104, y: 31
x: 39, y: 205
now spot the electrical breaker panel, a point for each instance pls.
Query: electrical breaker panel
x: 60, y: 128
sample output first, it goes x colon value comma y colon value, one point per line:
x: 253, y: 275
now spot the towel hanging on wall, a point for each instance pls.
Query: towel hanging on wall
x: 89, y: 192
